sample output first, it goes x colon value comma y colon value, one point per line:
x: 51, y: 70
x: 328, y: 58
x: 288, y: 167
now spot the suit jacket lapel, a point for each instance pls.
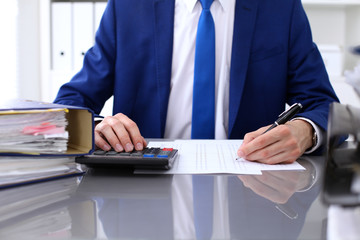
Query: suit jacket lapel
x: 164, y: 28
x: 244, y: 23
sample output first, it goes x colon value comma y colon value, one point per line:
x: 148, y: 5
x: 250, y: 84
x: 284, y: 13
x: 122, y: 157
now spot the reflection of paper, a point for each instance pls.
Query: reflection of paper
x: 343, y: 223
x: 214, y: 156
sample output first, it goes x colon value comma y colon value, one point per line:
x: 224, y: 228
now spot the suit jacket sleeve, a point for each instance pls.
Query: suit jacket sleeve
x: 308, y: 80
x: 93, y: 84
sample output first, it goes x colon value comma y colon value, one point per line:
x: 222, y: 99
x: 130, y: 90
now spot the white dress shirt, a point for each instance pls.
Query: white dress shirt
x: 187, y: 14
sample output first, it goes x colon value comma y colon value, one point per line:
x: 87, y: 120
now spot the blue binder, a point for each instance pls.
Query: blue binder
x: 80, y: 126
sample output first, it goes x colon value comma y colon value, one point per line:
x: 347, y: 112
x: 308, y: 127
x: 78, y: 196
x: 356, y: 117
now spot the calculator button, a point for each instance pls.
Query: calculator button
x: 167, y: 149
x: 157, y: 151
x: 124, y: 154
x: 147, y: 151
x: 111, y: 153
x: 153, y: 150
x: 99, y: 152
x: 137, y: 153
x: 163, y: 154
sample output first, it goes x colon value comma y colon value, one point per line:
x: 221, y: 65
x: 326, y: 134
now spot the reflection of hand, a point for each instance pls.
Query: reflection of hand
x: 283, y: 144
x: 120, y: 132
x: 276, y: 186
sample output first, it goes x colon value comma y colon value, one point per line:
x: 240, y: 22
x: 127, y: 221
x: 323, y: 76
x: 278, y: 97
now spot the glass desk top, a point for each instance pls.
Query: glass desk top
x: 114, y: 204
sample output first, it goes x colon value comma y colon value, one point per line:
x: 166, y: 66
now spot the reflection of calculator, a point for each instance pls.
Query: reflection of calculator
x: 148, y: 158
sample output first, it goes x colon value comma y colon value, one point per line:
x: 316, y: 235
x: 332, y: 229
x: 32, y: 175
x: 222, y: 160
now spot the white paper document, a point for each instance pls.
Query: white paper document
x: 213, y: 157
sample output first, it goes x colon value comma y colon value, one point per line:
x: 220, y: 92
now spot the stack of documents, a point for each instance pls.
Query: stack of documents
x: 39, y: 141
x: 16, y: 171
x: 34, y: 131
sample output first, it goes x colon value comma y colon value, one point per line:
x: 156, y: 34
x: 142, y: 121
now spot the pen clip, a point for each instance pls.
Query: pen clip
x: 291, y: 107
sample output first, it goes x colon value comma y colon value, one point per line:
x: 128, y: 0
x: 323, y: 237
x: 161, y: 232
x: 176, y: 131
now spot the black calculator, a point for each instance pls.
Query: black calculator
x: 148, y: 158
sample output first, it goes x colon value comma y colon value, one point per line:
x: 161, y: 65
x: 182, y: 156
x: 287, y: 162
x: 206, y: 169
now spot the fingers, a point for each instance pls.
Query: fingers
x: 120, y: 133
x: 252, y: 135
x: 276, y: 146
x: 100, y: 141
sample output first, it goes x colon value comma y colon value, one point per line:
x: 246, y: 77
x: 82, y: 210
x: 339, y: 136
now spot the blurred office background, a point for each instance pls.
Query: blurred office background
x: 43, y: 41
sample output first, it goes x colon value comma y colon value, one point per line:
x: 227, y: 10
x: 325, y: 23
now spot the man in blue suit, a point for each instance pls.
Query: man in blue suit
x: 265, y: 58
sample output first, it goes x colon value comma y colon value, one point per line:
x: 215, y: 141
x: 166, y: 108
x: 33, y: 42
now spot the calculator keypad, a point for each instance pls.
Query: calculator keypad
x: 147, y: 158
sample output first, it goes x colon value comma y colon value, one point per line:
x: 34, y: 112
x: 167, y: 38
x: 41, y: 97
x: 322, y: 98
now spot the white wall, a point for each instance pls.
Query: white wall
x: 29, y: 49
x: 337, y: 24
x: 8, y: 72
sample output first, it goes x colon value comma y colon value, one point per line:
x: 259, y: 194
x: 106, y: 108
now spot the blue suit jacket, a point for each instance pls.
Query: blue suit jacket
x: 273, y: 62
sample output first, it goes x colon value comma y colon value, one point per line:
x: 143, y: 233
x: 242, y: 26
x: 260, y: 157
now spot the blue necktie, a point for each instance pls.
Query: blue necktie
x: 203, y: 114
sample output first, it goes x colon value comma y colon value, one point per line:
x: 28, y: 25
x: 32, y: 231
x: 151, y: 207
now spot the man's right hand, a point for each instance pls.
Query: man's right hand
x: 120, y: 133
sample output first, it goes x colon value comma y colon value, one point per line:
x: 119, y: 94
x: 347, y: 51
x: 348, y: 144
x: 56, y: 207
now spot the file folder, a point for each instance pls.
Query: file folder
x: 61, y: 22
x: 80, y: 125
x: 83, y: 34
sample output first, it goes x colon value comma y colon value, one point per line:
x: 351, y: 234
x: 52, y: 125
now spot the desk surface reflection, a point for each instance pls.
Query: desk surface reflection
x: 108, y: 204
